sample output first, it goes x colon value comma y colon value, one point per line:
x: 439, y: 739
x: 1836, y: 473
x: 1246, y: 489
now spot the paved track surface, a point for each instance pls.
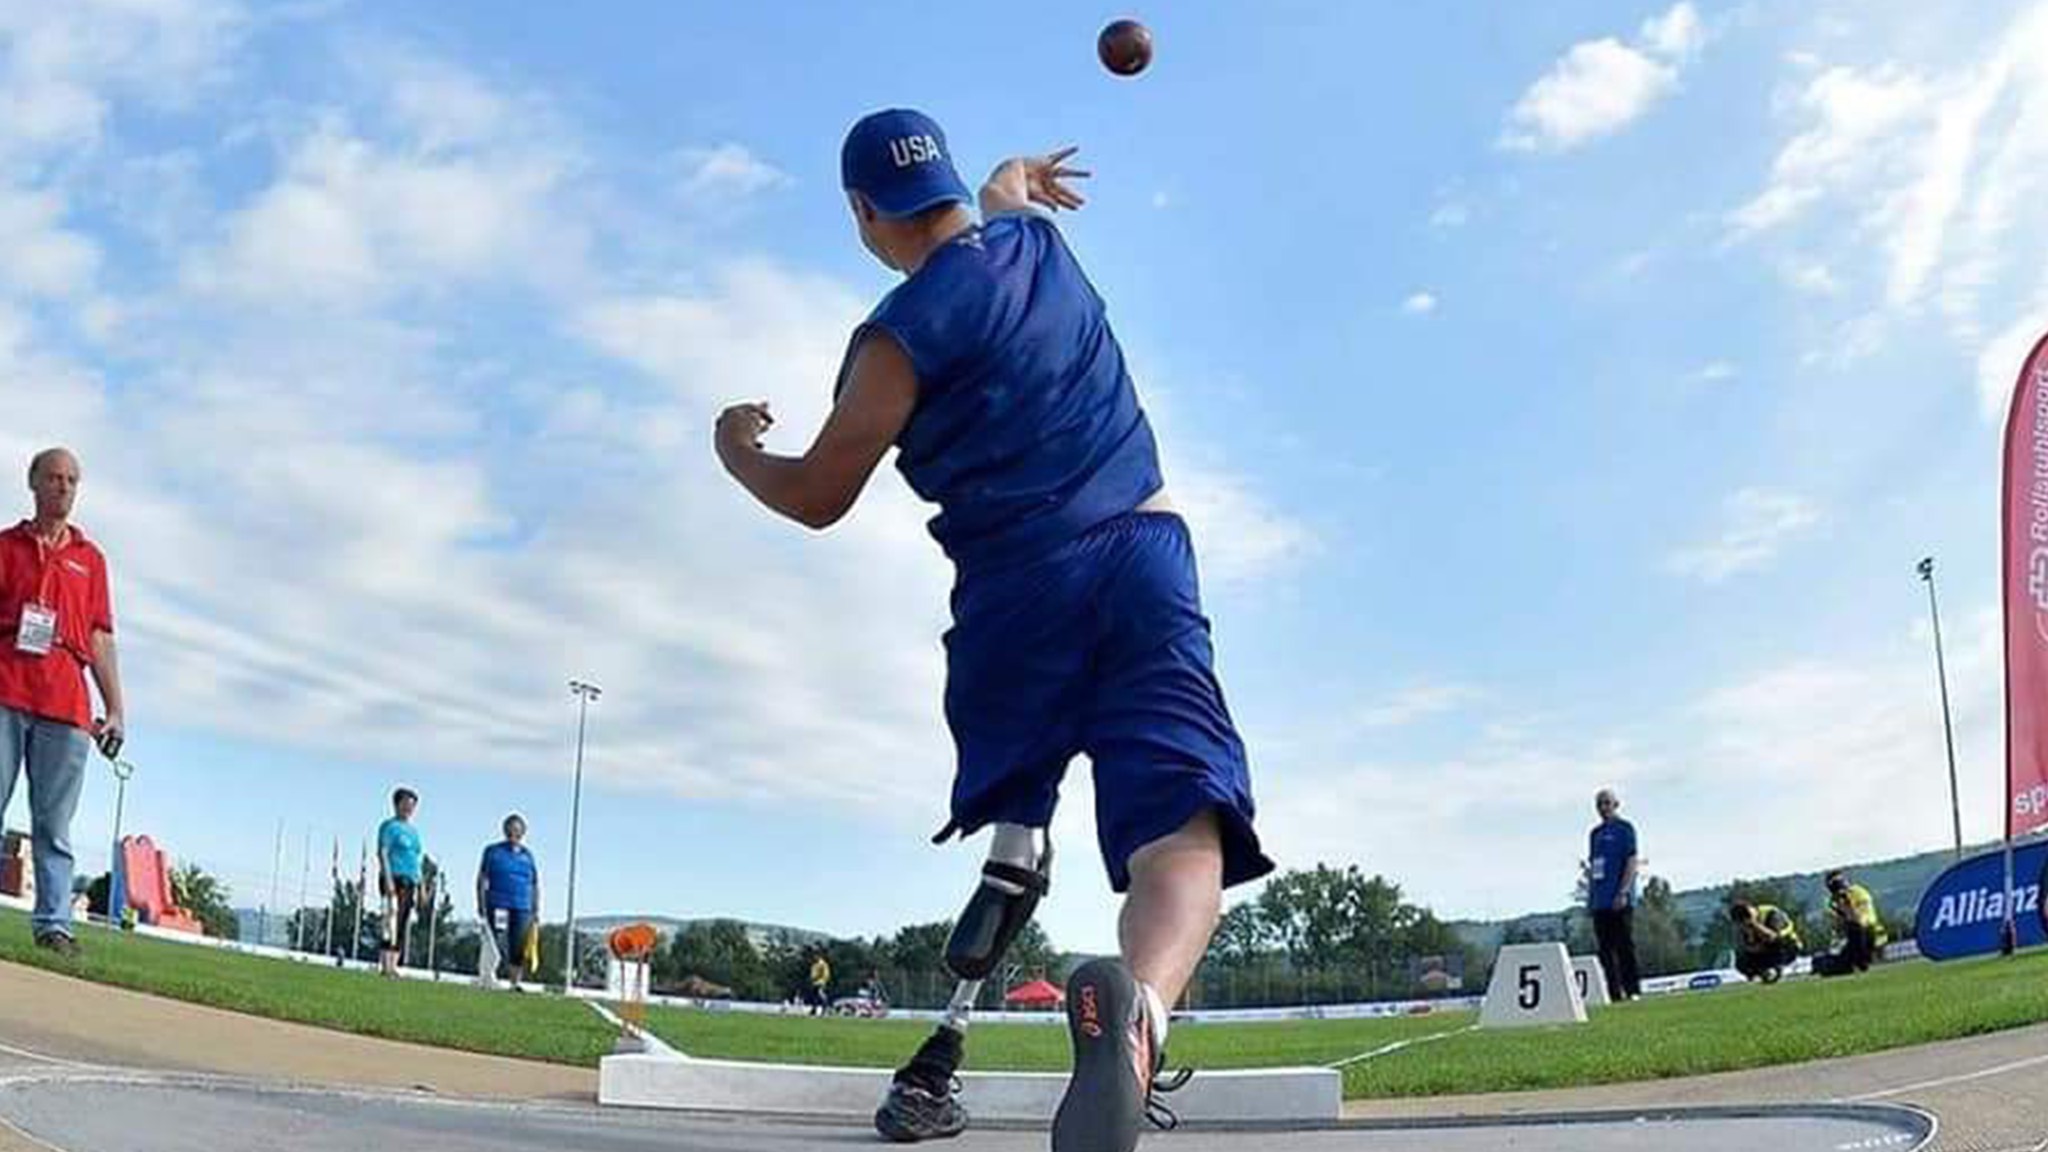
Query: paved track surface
x: 1990, y: 1092
x: 86, y: 1112
x: 84, y: 1068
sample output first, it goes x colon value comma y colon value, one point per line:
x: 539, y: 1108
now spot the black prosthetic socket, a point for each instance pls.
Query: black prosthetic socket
x: 1002, y: 905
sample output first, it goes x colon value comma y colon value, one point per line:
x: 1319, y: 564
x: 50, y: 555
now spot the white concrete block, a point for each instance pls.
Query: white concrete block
x: 1591, y: 979
x: 1532, y: 984
x: 1271, y: 1095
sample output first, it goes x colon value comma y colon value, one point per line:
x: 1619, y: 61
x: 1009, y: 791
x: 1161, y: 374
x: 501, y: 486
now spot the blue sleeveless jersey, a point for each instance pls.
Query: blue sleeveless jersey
x: 1027, y: 430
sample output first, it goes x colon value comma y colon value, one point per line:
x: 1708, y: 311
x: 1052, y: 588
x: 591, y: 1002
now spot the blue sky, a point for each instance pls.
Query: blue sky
x: 1562, y: 398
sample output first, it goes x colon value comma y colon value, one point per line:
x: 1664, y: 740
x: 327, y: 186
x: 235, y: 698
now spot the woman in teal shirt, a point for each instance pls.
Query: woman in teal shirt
x: 398, y: 875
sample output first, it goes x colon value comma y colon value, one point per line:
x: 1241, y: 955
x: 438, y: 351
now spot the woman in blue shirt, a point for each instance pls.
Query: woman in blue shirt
x: 398, y: 876
x: 508, y: 897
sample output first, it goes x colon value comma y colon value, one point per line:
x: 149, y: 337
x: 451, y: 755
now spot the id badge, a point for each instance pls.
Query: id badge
x: 38, y: 631
x: 501, y: 919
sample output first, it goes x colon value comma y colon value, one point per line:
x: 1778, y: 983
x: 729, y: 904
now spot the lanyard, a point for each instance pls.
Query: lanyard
x: 46, y: 559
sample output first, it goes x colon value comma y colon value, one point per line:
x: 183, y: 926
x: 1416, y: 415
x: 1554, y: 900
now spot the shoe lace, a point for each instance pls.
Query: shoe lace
x: 1157, y: 1112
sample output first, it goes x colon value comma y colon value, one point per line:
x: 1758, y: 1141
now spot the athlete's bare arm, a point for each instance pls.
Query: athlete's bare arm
x: 819, y: 487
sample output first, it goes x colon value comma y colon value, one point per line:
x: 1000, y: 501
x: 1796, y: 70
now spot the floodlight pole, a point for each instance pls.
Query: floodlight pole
x: 1948, y: 728
x: 585, y: 692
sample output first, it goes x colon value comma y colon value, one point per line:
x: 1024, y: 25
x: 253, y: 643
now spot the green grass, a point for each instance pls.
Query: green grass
x: 1735, y: 1028
x: 1743, y: 1027
x: 1749, y: 1026
x: 537, y: 1027
x: 1018, y: 1047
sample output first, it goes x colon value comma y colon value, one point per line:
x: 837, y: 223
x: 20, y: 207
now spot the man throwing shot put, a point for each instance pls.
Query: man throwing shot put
x: 1077, y: 622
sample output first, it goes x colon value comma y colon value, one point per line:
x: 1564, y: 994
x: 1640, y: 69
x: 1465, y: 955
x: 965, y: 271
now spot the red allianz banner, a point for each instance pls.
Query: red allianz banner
x: 2026, y: 599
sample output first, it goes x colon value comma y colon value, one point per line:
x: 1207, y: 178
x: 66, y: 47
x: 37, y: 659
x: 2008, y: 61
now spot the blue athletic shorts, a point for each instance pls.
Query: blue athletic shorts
x: 1101, y: 648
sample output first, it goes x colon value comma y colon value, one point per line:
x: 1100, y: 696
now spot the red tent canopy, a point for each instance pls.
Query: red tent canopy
x: 1036, y: 992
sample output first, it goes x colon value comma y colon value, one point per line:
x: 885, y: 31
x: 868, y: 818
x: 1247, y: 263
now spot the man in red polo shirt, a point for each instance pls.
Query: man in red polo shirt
x: 56, y: 623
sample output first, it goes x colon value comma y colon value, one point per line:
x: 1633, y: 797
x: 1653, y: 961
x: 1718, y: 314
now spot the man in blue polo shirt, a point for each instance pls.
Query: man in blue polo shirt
x: 1077, y: 622
x: 508, y: 897
x: 1611, y: 865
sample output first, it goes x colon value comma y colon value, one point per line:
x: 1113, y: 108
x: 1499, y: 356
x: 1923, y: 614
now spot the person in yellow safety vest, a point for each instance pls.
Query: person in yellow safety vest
x: 1861, y: 928
x: 1766, y: 940
x: 821, y: 979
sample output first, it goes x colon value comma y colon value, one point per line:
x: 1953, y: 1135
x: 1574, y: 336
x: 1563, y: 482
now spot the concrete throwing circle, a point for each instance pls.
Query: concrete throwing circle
x: 106, y: 1112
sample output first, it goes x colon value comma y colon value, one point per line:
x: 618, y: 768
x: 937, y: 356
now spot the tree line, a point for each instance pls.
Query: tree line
x: 1320, y: 935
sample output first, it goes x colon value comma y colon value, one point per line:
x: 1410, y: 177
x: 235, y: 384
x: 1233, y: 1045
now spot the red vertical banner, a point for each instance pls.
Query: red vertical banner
x: 2026, y: 599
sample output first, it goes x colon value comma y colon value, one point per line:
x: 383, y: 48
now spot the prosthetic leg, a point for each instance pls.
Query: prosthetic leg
x: 923, y: 1101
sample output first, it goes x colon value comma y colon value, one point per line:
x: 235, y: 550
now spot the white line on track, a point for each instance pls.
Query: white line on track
x: 27, y: 1136
x: 648, y: 1040
x: 1959, y: 1078
x: 1875, y: 1142
x: 27, y: 1054
x: 1396, y: 1046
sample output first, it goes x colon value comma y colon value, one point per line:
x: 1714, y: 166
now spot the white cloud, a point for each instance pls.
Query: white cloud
x: 1161, y: 200
x: 727, y: 172
x: 1717, y: 370
x: 63, y: 65
x: 44, y: 257
x: 1846, y: 744
x: 1811, y: 277
x: 1450, y: 214
x: 352, y: 528
x: 351, y: 219
x: 1417, y: 702
x: 1999, y: 364
x: 344, y: 580
x: 1911, y: 179
x: 708, y: 344
x: 61, y: 68
x: 426, y: 435
x: 1419, y: 304
x: 1599, y: 87
x: 1240, y: 537
x: 1676, y: 34
x: 1759, y: 523
x: 1530, y: 793
x: 1855, y: 116
x: 442, y: 107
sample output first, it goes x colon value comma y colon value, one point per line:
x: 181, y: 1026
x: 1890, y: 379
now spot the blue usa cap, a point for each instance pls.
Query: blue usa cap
x: 899, y: 160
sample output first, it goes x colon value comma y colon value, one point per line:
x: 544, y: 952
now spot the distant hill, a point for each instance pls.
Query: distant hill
x: 1894, y: 884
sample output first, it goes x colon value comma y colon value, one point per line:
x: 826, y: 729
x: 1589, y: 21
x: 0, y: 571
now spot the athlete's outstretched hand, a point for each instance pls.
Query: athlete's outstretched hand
x: 1047, y: 176
x: 1042, y: 180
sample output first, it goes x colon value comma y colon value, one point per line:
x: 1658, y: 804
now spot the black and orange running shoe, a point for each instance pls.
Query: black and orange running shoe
x: 1116, y: 1084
